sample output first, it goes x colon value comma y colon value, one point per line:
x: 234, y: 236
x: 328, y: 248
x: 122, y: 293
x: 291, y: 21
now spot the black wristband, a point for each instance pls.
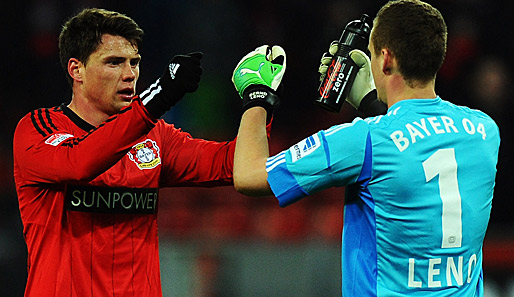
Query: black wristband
x: 260, y: 95
x: 371, y: 106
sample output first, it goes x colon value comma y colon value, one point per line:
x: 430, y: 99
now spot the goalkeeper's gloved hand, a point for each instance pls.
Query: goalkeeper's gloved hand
x: 258, y: 76
x: 363, y: 93
x: 181, y: 76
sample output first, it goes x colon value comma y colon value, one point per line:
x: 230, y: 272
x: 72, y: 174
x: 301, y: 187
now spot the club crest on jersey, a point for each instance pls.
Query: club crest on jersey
x: 145, y: 154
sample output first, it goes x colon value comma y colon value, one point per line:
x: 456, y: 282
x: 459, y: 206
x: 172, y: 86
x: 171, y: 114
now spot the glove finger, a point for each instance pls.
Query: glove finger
x: 326, y: 58
x: 192, y: 83
x: 323, y: 69
x: 196, y: 72
x: 187, y: 59
x: 334, y: 46
x: 196, y: 55
x: 191, y: 88
x: 191, y: 65
x: 278, y: 61
x: 263, y: 50
x: 360, y: 58
x: 278, y: 55
x: 191, y: 72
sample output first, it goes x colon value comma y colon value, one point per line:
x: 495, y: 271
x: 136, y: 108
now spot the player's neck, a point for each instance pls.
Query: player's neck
x: 399, y: 90
x: 87, y: 112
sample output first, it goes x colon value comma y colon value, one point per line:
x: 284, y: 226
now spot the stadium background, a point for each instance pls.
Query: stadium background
x: 215, y: 242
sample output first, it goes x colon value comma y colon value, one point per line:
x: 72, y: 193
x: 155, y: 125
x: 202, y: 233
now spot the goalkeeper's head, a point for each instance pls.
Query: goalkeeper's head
x: 81, y: 34
x: 416, y: 35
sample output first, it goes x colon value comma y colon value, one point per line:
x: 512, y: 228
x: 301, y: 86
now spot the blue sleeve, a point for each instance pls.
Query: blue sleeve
x: 328, y: 158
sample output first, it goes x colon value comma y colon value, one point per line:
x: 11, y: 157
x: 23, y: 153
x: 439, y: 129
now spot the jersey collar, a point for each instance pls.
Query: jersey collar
x: 76, y: 119
x: 419, y: 102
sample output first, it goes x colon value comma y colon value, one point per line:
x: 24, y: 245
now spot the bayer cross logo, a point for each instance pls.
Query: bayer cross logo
x: 145, y: 154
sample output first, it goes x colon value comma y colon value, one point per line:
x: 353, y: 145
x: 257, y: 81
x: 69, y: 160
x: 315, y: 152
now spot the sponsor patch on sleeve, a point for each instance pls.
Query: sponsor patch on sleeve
x: 304, y: 147
x: 57, y: 138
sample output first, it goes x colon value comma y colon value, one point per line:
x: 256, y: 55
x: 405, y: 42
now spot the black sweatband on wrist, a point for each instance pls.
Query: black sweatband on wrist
x: 263, y: 96
x: 157, y: 108
x: 371, y: 106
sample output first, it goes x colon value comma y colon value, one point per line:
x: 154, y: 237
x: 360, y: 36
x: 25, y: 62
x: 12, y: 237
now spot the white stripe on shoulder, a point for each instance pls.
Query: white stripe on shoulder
x: 394, y: 111
x: 275, y: 164
x: 337, y: 128
x: 277, y: 156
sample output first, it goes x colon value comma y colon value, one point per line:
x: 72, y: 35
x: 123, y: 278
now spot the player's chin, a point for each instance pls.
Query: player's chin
x: 125, y: 100
x: 121, y: 104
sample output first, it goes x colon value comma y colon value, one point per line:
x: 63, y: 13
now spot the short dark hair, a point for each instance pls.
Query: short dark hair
x: 416, y: 34
x: 81, y: 34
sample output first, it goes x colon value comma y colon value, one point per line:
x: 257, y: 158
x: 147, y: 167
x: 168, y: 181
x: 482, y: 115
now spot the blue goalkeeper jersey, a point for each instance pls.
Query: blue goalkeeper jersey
x: 419, y: 186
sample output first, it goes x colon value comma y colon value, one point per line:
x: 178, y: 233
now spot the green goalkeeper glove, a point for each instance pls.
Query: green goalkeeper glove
x: 258, y: 75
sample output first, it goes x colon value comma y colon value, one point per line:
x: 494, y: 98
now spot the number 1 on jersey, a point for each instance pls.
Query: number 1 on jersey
x: 443, y: 164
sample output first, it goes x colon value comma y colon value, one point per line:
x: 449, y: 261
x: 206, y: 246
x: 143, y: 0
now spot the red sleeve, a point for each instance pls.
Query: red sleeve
x: 48, y: 149
x: 188, y: 161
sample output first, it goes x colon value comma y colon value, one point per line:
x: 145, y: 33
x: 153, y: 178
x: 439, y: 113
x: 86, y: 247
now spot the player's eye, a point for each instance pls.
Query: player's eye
x: 135, y: 62
x: 115, y: 61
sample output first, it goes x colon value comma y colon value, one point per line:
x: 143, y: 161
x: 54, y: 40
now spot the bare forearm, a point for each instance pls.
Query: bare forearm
x: 250, y: 176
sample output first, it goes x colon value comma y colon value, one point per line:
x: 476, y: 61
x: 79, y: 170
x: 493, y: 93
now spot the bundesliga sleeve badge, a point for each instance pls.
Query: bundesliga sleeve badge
x: 57, y: 138
x: 145, y: 154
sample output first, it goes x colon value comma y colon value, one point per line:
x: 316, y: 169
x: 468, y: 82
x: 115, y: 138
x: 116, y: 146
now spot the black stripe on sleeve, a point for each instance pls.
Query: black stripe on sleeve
x: 42, y: 121
x: 49, y: 119
x: 36, y: 125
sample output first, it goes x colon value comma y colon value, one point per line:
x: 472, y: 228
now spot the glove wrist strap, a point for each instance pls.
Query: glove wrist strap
x: 259, y: 95
x: 370, y: 105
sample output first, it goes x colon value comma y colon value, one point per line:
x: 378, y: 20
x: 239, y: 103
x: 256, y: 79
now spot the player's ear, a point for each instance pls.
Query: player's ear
x: 75, y: 69
x: 387, y: 61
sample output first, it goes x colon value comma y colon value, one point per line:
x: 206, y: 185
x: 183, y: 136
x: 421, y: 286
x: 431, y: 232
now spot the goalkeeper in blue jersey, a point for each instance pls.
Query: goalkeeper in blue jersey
x: 419, y: 179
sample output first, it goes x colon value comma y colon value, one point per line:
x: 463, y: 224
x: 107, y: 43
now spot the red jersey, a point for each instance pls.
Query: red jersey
x: 88, y: 197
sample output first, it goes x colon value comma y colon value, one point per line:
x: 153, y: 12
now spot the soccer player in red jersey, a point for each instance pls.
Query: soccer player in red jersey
x: 87, y: 173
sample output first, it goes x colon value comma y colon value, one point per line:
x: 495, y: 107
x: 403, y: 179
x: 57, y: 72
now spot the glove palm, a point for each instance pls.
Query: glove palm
x: 258, y: 75
x: 263, y: 66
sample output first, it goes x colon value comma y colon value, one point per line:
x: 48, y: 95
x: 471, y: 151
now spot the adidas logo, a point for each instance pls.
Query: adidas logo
x: 173, y: 69
x: 305, y: 147
x: 309, y: 143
